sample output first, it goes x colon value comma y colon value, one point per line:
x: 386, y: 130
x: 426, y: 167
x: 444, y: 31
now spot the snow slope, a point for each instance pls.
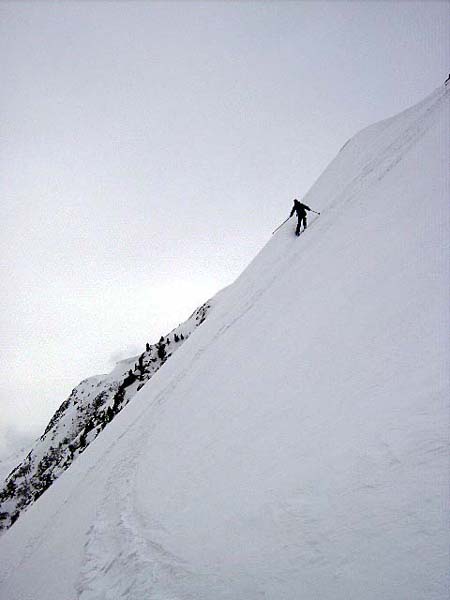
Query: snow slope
x: 295, y: 447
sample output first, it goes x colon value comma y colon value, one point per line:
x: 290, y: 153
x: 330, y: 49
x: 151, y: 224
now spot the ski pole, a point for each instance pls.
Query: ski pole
x: 281, y: 225
x: 314, y: 211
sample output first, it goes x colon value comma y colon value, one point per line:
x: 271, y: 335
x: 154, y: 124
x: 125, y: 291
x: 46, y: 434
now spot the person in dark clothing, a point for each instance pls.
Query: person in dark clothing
x: 300, y: 209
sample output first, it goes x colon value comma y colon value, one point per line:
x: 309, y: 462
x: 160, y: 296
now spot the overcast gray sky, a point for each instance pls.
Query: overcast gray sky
x: 148, y: 149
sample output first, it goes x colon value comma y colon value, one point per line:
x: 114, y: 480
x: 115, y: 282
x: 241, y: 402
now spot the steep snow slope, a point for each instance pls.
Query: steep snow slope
x: 295, y: 447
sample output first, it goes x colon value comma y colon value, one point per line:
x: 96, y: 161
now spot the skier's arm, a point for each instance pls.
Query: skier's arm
x: 292, y: 211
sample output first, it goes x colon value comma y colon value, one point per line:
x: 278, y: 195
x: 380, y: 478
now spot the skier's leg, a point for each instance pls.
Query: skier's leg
x: 304, y: 223
x: 297, y: 230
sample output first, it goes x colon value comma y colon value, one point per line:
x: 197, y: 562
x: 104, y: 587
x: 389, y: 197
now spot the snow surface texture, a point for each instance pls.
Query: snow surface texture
x: 91, y: 406
x: 295, y: 447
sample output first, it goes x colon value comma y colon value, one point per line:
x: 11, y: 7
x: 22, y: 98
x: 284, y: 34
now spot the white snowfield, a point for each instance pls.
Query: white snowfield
x: 296, y: 446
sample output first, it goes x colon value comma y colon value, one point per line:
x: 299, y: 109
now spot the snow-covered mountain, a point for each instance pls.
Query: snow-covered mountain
x: 295, y: 447
x: 92, y: 404
x: 9, y: 462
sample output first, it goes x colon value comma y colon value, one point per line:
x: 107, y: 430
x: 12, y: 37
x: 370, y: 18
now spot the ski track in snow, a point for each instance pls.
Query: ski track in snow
x: 120, y: 561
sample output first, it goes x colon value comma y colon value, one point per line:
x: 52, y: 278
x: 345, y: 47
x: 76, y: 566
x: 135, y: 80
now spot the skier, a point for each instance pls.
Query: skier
x: 300, y: 209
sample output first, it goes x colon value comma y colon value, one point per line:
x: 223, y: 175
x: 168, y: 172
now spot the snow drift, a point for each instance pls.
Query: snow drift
x: 296, y: 445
